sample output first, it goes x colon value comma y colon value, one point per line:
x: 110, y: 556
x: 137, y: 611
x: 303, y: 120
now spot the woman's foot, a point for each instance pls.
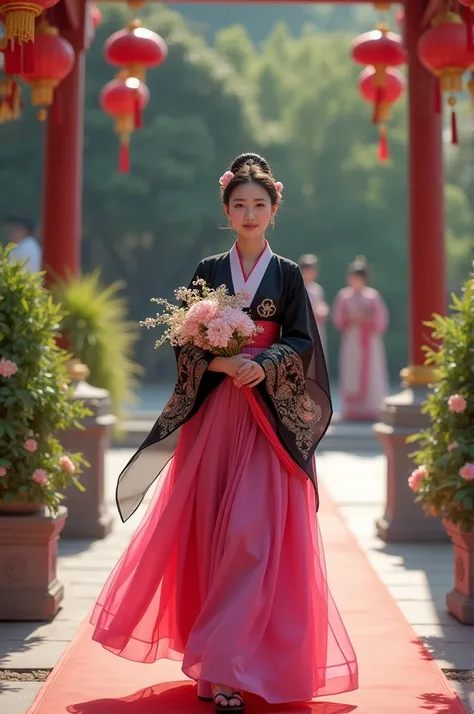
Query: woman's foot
x: 225, y: 699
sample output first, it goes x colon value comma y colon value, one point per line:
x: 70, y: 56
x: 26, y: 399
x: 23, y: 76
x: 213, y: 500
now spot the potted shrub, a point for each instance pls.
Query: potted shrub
x: 34, y: 396
x: 444, y: 479
x: 98, y: 333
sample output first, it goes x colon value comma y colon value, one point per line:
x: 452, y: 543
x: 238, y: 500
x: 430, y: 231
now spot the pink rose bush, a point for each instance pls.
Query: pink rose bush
x: 457, y: 403
x: 40, y: 477
x: 467, y: 472
x: 8, y: 368
x: 34, y: 388
x: 211, y: 320
x: 417, y: 477
x: 444, y: 480
x: 66, y: 463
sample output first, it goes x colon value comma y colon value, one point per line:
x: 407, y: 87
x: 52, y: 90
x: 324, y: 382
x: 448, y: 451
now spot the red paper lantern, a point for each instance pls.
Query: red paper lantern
x: 380, y: 49
x: 393, y: 91
x: 96, y: 16
x: 119, y: 99
x: 19, y: 17
x: 469, y: 5
x: 442, y: 51
x: 136, y: 49
x: 54, y: 59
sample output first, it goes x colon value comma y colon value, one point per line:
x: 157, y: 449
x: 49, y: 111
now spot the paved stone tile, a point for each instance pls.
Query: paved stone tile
x: 466, y: 693
x: 38, y: 655
x: 17, y: 697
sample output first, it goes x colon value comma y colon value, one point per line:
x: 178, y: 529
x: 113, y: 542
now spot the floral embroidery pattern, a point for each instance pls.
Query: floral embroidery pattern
x: 285, y: 382
x: 192, y: 364
x: 266, y: 308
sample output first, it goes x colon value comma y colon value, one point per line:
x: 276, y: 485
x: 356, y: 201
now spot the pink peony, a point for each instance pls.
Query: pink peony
x: 31, y: 445
x: 7, y: 368
x: 3, y: 471
x: 467, y: 471
x: 453, y: 445
x: 416, y: 478
x: 238, y: 321
x: 40, y: 476
x: 198, y: 314
x: 219, y: 332
x: 457, y: 403
x: 66, y: 464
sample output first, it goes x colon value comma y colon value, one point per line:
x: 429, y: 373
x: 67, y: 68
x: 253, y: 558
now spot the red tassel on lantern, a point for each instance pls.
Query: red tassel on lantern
x: 384, y: 154
x: 379, y: 97
x: 138, y: 114
x: 19, y: 58
x: 454, y: 123
x: 437, y: 96
x: 124, y: 155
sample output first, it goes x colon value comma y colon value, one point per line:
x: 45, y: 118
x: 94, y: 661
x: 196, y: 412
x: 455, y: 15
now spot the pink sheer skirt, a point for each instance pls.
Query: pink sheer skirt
x: 226, y: 571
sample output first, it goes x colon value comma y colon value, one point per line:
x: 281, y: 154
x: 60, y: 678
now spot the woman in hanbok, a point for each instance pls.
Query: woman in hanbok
x: 226, y: 572
x: 360, y: 314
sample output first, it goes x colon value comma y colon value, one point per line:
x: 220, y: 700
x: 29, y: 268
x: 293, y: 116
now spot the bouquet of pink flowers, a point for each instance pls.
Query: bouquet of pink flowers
x: 209, y: 319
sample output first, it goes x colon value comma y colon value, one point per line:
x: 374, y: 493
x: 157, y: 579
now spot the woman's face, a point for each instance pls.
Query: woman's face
x: 250, y: 210
x: 356, y: 282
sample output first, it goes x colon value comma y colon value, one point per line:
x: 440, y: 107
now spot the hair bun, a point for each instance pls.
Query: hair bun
x: 361, y: 260
x: 249, y: 159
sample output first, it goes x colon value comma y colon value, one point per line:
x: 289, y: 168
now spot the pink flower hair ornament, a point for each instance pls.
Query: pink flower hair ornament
x: 228, y: 176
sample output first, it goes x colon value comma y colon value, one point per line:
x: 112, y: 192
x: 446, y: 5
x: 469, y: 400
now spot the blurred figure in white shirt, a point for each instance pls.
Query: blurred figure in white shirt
x: 309, y: 270
x: 20, y: 231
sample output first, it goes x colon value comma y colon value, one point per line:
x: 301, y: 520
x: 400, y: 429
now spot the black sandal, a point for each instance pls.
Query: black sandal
x: 228, y: 708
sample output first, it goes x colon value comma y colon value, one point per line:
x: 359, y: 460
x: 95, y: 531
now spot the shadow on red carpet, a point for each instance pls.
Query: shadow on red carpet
x: 180, y: 697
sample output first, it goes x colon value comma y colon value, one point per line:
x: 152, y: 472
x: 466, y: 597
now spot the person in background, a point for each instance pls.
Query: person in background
x: 309, y: 269
x: 361, y: 315
x: 20, y: 231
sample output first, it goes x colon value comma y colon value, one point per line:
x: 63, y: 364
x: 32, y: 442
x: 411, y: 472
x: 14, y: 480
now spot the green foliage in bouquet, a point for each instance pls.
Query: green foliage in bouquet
x: 100, y: 335
x: 444, y: 479
x: 34, y: 393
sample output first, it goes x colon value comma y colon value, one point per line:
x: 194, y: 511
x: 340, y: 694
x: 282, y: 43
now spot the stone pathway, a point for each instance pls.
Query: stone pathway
x: 418, y: 577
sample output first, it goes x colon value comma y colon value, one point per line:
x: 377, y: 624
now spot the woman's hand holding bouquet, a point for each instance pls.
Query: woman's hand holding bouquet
x: 215, y: 322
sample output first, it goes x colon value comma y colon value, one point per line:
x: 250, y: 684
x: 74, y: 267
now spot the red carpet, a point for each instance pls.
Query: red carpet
x: 397, y: 676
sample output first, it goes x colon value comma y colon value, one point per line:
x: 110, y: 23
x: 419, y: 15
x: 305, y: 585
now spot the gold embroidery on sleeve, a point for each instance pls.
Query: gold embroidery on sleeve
x: 191, y: 368
x: 285, y: 382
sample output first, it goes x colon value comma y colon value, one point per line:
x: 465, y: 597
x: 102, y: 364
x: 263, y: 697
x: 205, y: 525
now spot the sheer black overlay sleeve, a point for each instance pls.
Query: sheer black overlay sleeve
x: 296, y: 387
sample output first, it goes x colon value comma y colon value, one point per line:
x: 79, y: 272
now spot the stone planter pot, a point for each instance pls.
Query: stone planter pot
x: 29, y: 588
x: 19, y: 507
x: 460, y: 601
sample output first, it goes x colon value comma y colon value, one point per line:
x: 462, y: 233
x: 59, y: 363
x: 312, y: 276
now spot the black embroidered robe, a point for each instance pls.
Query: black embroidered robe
x: 296, y: 387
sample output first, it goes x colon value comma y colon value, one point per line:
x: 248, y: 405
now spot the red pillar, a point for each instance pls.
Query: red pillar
x: 62, y: 202
x: 426, y: 191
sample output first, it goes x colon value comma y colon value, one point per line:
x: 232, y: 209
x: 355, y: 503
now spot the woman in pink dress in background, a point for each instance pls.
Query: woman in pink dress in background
x: 361, y: 315
x: 226, y: 572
